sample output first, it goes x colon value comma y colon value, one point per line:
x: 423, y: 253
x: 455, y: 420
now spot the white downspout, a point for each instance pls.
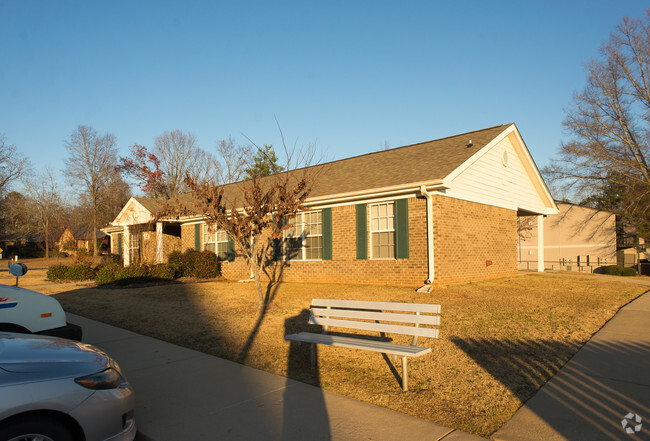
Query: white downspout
x: 540, y: 243
x: 427, y: 195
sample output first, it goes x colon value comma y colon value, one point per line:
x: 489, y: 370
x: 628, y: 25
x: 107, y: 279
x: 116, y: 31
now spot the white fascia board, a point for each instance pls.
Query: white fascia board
x: 112, y: 229
x: 529, y: 158
x: 372, y: 194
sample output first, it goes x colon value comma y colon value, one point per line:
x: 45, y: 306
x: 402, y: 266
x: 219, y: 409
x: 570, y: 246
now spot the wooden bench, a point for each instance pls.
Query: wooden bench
x: 403, y: 318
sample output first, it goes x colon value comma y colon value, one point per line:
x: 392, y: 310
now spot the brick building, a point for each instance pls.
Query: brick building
x: 441, y: 212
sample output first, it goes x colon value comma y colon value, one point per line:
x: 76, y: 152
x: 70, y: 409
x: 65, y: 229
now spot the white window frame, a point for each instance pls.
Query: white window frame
x: 378, y: 229
x: 299, y: 225
x: 216, y: 237
x: 135, y: 245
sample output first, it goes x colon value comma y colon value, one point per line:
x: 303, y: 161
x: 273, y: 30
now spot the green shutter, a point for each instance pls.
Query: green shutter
x: 197, y: 237
x: 119, y: 244
x: 402, y: 229
x: 231, y: 249
x: 362, y: 231
x: 327, y: 234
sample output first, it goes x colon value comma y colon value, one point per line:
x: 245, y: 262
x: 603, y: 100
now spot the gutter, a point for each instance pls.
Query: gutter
x: 373, y: 193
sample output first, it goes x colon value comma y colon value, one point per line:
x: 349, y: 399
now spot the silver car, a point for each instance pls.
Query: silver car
x: 52, y: 389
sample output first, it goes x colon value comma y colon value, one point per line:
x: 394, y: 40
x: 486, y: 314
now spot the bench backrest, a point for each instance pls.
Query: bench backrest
x: 355, y: 314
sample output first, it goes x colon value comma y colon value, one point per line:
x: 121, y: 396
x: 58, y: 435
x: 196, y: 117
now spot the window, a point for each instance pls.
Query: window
x: 215, y: 241
x: 303, y: 240
x: 135, y: 246
x: 382, y: 230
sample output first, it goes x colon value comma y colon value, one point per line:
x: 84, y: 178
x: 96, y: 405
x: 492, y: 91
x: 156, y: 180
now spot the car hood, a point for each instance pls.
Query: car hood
x: 53, y: 357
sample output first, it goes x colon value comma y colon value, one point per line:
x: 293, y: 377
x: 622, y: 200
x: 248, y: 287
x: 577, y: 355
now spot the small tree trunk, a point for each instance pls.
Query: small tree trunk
x: 255, y: 269
x: 47, y: 243
x: 95, y: 229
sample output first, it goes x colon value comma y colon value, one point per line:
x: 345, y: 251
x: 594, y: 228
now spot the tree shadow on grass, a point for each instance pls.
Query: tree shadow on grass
x: 274, y: 272
x: 523, y: 366
x: 586, y: 398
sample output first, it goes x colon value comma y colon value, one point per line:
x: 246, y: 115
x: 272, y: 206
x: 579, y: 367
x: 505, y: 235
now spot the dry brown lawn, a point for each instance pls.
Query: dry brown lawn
x: 500, y: 340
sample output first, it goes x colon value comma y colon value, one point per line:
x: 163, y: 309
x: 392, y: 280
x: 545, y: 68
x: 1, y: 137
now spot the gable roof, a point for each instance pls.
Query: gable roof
x: 425, y: 163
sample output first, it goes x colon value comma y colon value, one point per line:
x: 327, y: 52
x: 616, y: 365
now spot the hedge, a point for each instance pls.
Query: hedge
x: 75, y: 272
x: 198, y: 264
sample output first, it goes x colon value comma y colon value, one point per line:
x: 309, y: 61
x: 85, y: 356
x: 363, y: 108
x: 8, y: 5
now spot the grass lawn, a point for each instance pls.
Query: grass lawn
x: 500, y: 340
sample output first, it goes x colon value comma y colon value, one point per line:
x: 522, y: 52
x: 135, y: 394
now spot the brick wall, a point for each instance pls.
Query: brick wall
x: 467, y: 236
x: 187, y: 238
x: 344, y: 266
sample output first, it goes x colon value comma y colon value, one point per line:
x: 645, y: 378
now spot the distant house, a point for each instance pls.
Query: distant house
x: 67, y: 242
x: 442, y: 211
x: 631, y: 248
x: 576, y: 238
x: 80, y: 238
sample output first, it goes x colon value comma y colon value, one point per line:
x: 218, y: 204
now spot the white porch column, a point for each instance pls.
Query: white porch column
x: 127, y: 245
x: 159, y: 242
x: 540, y: 244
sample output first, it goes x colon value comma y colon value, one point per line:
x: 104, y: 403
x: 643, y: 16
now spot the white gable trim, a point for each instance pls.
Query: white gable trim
x: 140, y: 214
x: 476, y: 156
x: 531, y: 172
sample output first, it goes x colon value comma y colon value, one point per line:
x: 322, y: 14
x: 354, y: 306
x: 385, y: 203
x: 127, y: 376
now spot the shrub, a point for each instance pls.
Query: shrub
x: 206, y: 265
x: 133, y: 272
x: 191, y: 263
x: 75, y: 272
x: 175, y: 260
x: 628, y: 272
x: 80, y: 272
x: 163, y: 271
x: 57, y: 272
x: 82, y: 252
x: 614, y: 270
x: 107, y: 273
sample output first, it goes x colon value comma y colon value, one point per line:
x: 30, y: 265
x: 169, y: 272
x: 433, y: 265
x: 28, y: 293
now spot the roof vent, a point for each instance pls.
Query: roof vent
x: 469, y: 144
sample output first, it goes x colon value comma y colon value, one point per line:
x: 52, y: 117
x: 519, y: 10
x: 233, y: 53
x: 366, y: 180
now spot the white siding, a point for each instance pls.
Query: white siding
x: 488, y: 181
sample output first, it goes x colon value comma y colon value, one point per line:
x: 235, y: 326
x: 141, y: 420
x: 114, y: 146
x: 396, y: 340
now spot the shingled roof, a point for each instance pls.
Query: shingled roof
x: 416, y: 163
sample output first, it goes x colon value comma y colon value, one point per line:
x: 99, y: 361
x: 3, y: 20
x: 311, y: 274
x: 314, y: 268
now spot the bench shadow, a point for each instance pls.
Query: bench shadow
x: 298, y: 419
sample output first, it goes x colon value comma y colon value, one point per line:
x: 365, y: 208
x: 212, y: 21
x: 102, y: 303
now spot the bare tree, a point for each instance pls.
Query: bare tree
x: 47, y: 203
x: 13, y: 165
x: 16, y: 214
x: 609, y: 124
x: 204, y: 167
x: 236, y: 159
x: 179, y: 156
x: 258, y: 221
x: 90, y: 164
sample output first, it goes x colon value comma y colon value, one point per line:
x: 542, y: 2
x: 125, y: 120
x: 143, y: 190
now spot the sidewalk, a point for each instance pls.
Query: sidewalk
x: 592, y: 394
x: 185, y: 394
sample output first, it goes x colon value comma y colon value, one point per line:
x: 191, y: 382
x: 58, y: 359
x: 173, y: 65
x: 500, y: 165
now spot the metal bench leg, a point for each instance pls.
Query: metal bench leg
x: 312, y: 353
x: 405, y: 375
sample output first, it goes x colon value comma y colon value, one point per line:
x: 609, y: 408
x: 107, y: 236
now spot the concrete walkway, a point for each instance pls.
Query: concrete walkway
x: 589, y: 398
x: 185, y: 394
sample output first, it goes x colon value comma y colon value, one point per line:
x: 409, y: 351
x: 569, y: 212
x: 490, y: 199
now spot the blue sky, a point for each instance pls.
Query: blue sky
x: 347, y: 76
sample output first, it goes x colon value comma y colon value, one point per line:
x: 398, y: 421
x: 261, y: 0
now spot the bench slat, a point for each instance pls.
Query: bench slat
x: 383, y: 316
x: 386, y: 306
x: 356, y: 343
x: 379, y: 327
